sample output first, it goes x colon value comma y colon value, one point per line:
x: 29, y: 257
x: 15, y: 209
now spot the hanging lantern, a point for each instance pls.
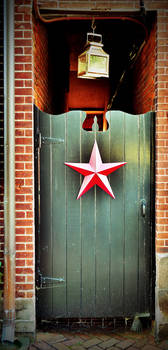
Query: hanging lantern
x: 94, y: 61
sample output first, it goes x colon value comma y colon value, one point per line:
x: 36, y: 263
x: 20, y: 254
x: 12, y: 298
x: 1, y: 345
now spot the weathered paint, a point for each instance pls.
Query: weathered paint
x: 100, y: 247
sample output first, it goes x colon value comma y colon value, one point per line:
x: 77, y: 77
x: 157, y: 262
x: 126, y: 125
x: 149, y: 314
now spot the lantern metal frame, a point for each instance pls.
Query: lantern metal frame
x: 93, y: 62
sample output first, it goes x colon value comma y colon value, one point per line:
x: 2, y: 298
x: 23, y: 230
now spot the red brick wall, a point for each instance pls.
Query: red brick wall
x: 115, y: 5
x: 143, y: 92
x: 24, y: 149
x: 162, y: 134
x: 91, y: 4
x: 42, y: 93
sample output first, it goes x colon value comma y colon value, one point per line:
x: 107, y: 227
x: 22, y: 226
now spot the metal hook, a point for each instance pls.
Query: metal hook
x: 93, y: 26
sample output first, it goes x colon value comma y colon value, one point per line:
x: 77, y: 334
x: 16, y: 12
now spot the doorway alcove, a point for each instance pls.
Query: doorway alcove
x: 130, y: 42
x: 130, y: 89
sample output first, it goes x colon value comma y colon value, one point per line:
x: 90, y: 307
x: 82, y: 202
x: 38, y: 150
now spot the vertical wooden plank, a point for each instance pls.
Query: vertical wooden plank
x: 144, y: 219
x: 45, y: 294
x: 59, y: 215
x: 102, y: 234
x: 87, y: 235
x: 142, y: 233
x: 131, y: 213
x: 73, y: 216
x: 117, y: 154
x: 150, y: 262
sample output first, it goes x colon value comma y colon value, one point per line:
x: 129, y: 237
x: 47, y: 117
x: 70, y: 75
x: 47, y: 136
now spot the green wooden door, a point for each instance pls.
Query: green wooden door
x: 94, y: 254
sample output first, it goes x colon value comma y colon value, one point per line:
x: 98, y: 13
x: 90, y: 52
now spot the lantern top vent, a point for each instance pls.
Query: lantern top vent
x: 93, y: 38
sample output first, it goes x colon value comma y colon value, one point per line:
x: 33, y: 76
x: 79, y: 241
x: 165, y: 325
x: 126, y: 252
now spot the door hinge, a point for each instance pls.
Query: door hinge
x: 48, y: 140
x: 48, y: 282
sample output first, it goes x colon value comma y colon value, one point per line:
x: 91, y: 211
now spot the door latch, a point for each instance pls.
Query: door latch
x: 143, y: 207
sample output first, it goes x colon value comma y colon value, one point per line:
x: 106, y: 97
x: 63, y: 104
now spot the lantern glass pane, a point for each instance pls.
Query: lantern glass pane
x: 82, y: 64
x: 98, y: 64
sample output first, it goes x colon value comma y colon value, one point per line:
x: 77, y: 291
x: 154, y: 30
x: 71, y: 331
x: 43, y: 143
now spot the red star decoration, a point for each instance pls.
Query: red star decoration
x: 95, y: 172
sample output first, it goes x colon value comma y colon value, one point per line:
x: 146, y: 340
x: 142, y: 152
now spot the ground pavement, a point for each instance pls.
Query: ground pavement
x: 98, y: 339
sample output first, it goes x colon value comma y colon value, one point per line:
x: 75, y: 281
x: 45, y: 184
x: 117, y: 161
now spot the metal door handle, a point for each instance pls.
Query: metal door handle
x: 143, y: 206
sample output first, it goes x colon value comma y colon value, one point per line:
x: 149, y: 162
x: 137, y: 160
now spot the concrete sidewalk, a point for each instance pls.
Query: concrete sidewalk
x: 97, y: 340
